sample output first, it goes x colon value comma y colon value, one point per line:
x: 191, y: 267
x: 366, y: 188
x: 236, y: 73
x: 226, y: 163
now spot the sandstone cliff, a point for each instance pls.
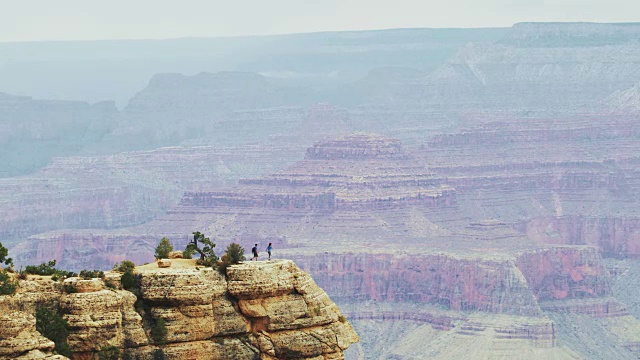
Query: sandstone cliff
x: 262, y: 310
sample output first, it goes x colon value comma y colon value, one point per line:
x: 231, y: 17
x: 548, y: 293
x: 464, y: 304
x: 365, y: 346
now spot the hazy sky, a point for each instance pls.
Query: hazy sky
x: 127, y: 19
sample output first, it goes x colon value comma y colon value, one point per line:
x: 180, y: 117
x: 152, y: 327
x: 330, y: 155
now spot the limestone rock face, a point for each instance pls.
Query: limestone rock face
x: 102, y: 318
x: 20, y: 340
x: 84, y: 285
x: 32, y: 293
x: 264, y: 310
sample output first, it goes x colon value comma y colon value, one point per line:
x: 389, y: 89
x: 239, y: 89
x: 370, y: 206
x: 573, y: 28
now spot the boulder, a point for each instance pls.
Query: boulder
x: 85, y: 286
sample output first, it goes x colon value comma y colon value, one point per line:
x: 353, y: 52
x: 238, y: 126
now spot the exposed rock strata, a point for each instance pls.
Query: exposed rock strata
x: 448, y: 225
x: 265, y: 310
x: 20, y: 340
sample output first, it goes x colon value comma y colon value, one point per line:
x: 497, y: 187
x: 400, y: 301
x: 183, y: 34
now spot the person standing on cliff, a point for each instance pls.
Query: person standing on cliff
x: 269, y: 248
x: 254, y: 250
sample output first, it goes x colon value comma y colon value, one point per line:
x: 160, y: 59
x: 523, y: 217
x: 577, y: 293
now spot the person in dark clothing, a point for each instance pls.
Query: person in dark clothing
x: 254, y: 250
x: 269, y: 248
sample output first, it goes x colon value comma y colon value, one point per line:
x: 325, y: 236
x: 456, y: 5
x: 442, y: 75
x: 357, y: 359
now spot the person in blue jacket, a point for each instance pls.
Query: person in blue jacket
x: 269, y: 248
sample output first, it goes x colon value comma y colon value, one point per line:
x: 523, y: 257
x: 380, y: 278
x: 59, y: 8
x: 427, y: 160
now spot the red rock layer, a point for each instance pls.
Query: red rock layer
x: 562, y: 273
x: 456, y: 283
x: 614, y: 236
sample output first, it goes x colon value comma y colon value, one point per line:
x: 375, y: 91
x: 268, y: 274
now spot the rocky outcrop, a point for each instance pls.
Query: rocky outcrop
x: 458, y: 283
x: 261, y: 310
x: 614, y: 236
x: 20, y: 340
x: 100, y: 319
x: 352, y: 173
x: 562, y: 273
x: 112, y: 191
x: 446, y: 225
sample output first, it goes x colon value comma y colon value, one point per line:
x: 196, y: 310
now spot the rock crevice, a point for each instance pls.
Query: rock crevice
x: 261, y: 310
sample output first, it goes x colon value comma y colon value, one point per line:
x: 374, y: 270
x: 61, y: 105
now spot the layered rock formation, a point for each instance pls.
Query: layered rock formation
x: 33, y: 131
x: 587, y: 67
x: 530, y: 34
x: 104, y: 192
x: 20, y: 340
x: 266, y: 310
x: 543, y: 67
x: 443, y: 226
x: 512, y: 216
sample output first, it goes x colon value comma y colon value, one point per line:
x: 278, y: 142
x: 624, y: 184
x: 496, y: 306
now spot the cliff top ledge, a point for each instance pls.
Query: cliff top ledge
x: 259, y: 310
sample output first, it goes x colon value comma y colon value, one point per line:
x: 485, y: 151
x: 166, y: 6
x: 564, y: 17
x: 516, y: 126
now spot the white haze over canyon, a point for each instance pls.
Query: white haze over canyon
x: 31, y: 20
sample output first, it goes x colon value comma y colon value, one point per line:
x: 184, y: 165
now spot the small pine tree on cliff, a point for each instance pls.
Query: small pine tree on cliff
x: 207, y: 254
x: 4, y: 256
x: 55, y: 328
x: 163, y: 249
x: 8, y: 284
x: 124, y: 266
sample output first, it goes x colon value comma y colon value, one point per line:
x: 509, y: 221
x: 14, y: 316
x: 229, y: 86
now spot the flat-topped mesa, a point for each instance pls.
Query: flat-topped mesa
x: 356, y: 147
x: 354, y: 172
x: 260, y: 310
x: 571, y: 34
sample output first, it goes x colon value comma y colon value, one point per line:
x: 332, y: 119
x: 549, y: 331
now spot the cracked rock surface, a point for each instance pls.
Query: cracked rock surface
x: 260, y: 310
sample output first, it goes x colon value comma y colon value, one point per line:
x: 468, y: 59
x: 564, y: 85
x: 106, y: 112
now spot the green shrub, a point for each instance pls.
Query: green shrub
x: 55, y: 328
x: 236, y: 253
x: 124, y: 266
x: 91, y: 274
x: 205, y: 262
x: 128, y: 280
x: 222, y: 265
x: 159, y: 331
x: 46, y: 269
x: 4, y: 256
x: 109, y: 353
x: 233, y: 255
x: 188, y: 253
x: 64, y: 349
x: 22, y: 275
x: 43, y: 269
x: 8, y: 285
x: 69, y: 289
x: 158, y: 354
x: 61, y: 275
x: 110, y: 284
x: 127, y: 354
x: 163, y: 249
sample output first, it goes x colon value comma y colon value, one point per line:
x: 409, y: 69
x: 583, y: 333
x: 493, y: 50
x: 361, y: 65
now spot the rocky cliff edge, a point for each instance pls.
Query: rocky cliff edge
x: 261, y: 310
